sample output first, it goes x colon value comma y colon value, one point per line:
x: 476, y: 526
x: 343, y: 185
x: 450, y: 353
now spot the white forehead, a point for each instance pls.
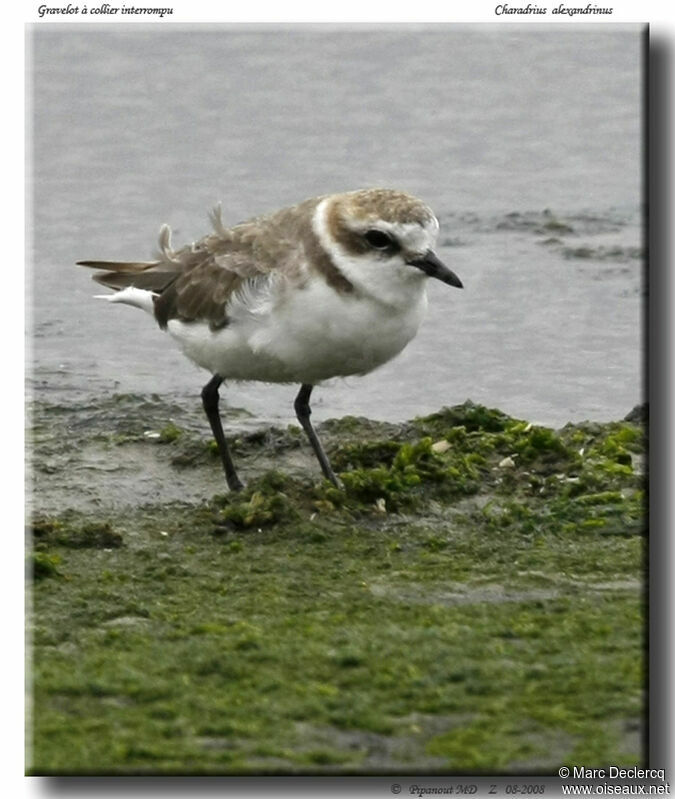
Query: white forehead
x: 411, y: 235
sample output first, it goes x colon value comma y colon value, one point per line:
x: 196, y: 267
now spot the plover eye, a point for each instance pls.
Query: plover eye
x: 379, y: 240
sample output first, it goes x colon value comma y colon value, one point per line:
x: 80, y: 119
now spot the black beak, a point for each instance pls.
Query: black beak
x: 433, y: 267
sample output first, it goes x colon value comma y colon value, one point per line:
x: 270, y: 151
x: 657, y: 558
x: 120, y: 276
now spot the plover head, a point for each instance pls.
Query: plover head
x: 381, y: 238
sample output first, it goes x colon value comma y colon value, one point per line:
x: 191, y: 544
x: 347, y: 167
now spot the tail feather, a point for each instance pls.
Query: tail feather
x: 120, y: 266
x: 151, y: 281
x: 153, y: 276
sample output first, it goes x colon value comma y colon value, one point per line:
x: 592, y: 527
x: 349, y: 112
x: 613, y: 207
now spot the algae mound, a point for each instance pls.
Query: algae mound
x: 471, y: 602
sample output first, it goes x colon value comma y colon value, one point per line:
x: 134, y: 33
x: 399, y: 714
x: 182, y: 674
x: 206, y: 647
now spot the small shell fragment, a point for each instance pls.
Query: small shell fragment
x: 439, y: 447
x: 380, y: 505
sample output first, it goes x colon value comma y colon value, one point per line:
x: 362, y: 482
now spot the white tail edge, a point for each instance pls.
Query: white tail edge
x: 137, y: 298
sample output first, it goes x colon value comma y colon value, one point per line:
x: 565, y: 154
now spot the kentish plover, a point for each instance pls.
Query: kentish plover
x: 333, y: 286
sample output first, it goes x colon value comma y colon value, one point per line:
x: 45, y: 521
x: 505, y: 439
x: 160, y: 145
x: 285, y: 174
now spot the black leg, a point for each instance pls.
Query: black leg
x: 210, y: 399
x: 303, y: 411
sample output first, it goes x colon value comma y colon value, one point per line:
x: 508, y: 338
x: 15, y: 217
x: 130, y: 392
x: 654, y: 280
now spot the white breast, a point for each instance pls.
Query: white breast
x: 304, y: 335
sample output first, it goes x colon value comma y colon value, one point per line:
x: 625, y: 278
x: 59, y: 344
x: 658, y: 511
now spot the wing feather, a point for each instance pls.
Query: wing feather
x: 198, y: 281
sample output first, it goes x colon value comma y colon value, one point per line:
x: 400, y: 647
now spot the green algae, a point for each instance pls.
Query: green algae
x: 67, y: 532
x: 41, y: 564
x: 262, y: 503
x: 170, y: 433
x: 470, y: 601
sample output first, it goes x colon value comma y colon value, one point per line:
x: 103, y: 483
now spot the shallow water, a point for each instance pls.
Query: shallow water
x: 525, y: 140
